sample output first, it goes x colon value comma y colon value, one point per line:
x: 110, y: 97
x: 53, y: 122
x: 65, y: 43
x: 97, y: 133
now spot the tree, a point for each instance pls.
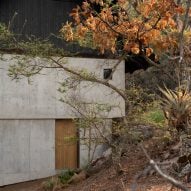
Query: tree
x: 133, y: 27
x: 138, y: 27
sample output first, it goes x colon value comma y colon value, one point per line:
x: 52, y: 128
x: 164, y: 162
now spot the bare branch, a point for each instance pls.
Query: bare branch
x: 170, y: 179
x: 152, y: 63
x: 181, y: 39
x: 91, y: 79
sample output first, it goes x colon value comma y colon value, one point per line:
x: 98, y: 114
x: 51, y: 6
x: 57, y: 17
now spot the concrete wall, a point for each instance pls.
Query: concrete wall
x: 40, y: 98
x: 28, y: 113
x: 26, y: 150
x: 91, y: 138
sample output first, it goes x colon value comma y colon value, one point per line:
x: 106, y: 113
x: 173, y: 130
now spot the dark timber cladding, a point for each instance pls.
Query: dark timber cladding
x: 36, y: 17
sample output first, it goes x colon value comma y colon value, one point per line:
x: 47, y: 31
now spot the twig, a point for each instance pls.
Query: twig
x: 140, y: 175
x: 123, y: 185
x: 158, y: 66
x: 170, y: 179
x: 90, y: 79
x: 181, y: 41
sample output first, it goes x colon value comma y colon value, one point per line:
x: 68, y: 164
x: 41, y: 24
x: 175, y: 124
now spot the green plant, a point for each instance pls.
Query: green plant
x: 6, y: 36
x: 50, y: 184
x: 65, y: 176
x: 177, y: 108
x: 144, y: 107
x: 58, y: 181
x: 154, y: 116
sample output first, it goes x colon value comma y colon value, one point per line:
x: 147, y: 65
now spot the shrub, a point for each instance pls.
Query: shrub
x: 50, y: 184
x: 154, y: 116
x: 177, y: 108
x: 65, y: 176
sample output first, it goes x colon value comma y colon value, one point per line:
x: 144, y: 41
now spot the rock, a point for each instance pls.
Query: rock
x: 78, y: 177
x: 107, y: 153
x: 143, y: 132
x: 185, y: 170
x: 102, y: 159
x: 97, y: 164
x: 152, y: 78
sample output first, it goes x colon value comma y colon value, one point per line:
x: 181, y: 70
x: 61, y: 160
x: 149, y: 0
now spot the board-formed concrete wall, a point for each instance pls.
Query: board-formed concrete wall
x: 40, y: 98
x: 27, y: 150
x: 93, y: 149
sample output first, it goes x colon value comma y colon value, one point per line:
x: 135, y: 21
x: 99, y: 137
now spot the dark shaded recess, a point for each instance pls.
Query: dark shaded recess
x: 134, y: 62
x: 107, y: 74
x: 40, y: 18
x: 97, y: 8
x: 138, y: 62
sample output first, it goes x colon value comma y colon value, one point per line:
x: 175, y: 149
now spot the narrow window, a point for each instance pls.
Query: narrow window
x: 107, y: 74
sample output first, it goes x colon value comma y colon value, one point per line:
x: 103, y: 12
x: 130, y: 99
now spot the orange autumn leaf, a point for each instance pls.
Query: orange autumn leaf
x: 149, y: 51
x: 67, y: 32
x: 81, y: 31
x: 135, y: 50
x: 148, y: 23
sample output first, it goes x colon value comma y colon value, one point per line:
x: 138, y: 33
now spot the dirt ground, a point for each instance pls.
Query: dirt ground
x: 26, y: 186
x: 106, y: 179
x: 94, y: 184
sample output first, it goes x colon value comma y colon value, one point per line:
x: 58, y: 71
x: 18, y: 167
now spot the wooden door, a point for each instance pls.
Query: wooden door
x: 66, y: 144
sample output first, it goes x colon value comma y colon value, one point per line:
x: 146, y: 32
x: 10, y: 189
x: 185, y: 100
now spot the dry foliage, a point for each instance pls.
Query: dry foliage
x: 126, y: 26
x: 177, y: 108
